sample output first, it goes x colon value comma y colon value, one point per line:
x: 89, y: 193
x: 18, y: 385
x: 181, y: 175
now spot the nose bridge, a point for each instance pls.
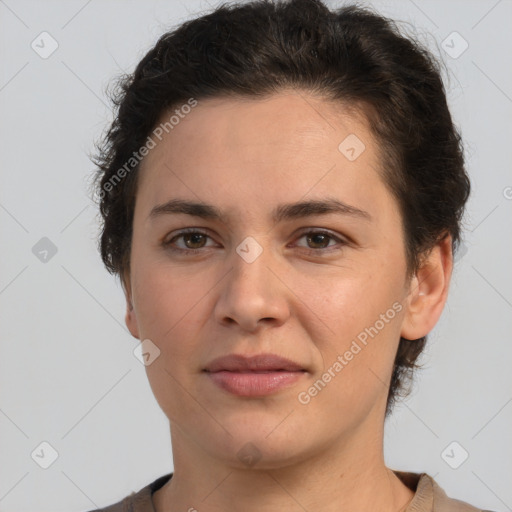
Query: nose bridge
x: 250, y: 274
x: 251, y: 291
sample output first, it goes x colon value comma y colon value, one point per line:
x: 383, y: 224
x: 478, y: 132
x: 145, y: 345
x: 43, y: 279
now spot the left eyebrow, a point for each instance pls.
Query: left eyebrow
x: 317, y: 207
x: 282, y: 212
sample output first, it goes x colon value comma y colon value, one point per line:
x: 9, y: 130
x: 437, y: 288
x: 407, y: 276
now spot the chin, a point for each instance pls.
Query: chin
x: 252, y: 447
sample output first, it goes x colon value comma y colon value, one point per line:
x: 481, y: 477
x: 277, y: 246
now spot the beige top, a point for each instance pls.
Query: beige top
x: 428, y: 497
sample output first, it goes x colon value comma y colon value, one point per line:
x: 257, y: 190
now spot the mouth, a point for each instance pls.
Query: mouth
x: 254, y: 376
x: 255, y: 383
x: 257, y: 363
x: 257, y: 371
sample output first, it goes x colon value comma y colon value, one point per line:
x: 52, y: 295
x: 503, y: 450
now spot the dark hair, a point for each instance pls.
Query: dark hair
x: 351, y: 55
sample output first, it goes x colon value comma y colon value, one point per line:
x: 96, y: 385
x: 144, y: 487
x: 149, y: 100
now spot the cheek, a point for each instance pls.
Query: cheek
x: 167, y: 305
x: 347, y: 302
x: 363, y: 314
x: 167, y: 301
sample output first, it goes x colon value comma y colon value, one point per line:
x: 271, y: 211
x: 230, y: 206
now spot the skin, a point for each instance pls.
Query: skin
x: 247, y: 156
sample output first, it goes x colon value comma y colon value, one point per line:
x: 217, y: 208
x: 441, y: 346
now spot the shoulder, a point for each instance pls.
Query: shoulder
x: 432, y: 498
x: 443, y: 503
x: 137, y: 501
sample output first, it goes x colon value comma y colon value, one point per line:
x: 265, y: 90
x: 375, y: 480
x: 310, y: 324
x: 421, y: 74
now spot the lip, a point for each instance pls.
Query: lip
x: 254, y: 376
x: 260, y: 362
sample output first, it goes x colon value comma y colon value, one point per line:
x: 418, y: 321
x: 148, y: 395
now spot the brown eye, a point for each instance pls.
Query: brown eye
x: 321, y: 242
x: 188, y: 242
x: 193, y: 240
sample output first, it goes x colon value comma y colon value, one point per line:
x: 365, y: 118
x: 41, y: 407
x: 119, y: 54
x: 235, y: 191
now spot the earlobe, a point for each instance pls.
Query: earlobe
x: 428, y: 291
x: 130, y: 316
x: 131, y: 322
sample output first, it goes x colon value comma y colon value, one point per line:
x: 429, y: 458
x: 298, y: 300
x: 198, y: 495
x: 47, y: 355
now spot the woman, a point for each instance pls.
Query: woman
x: 281, y: 193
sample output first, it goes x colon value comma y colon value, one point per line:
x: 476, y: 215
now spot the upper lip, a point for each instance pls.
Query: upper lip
x: 260, y: 362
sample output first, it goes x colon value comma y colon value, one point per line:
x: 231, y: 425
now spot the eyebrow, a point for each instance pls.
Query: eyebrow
x: 282, y: 212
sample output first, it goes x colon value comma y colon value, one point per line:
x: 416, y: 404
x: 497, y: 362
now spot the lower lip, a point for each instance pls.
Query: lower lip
x: 253, y: 383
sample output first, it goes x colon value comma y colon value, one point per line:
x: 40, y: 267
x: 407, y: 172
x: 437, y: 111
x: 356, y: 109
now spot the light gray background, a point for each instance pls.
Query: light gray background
x: 68, y: 375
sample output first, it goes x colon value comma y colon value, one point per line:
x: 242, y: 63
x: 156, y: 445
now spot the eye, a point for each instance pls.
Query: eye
x: 320, y: 239
x: 193, y: 240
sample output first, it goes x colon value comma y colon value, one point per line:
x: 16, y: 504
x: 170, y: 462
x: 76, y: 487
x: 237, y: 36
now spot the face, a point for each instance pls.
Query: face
x: 320, y: 286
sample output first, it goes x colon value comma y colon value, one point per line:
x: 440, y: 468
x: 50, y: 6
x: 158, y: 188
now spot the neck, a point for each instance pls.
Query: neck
x: 349, y: 476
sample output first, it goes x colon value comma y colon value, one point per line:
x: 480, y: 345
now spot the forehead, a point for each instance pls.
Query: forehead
x: 256, y: 126
x: 279, y: 148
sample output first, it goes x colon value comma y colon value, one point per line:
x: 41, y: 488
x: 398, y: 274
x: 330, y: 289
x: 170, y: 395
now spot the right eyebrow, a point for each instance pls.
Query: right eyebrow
x: 194, y: 209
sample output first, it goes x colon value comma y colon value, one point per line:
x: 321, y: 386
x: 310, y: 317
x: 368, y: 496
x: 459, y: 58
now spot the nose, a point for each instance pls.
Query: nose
x: 253, y: 294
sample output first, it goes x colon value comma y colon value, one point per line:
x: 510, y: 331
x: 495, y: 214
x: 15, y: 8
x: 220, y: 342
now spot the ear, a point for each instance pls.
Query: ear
x: 130, y: 316
x: 428, y: 291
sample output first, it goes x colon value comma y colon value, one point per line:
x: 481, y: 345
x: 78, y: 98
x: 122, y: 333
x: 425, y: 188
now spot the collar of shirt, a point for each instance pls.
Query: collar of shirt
x: 428, y: 496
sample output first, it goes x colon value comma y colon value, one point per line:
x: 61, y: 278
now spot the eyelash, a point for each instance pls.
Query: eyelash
x: 194, y: 231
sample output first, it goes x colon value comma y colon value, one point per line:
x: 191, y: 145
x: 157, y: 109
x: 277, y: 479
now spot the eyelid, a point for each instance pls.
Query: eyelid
x: 341, y: 240
x: 185, y: 231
